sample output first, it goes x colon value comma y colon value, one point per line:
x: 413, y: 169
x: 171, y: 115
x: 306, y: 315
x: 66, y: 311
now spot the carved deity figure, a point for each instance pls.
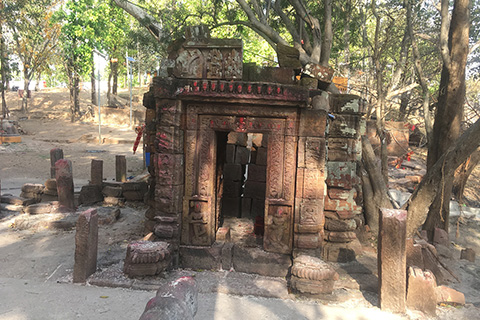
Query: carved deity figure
x: 198, y: 222
x: 278, y: 229
x: 308, y: 215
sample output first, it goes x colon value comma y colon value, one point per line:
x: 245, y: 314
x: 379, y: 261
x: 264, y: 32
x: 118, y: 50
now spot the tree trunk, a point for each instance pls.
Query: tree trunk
x: 26, y: 84
x: 37, y: 84
x: 3, y: 67
x: 92, y: 81
x: 328, y: 33
x: 449, y: 113
x: 109, y: 87
x: 462, y: 173
x: 76, y: 95
x: 421, y: 199
x: 115, y: 78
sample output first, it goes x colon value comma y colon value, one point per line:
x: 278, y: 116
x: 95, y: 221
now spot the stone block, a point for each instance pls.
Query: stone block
x: 145, y: 258
x: 307, y: 241
x: 90, y: 194
x: 55, y: 155
x: 440, y: 236
x: 169, y: 198
x: 317, y: 71
x: 342, y: 174
x: 223, y: 234
x: 258, y: 207
x: 345, y: 126
x: 205, y: 258
x: 346, y: 103
x: 50, y: 192
x: 35, y: 197
x: 446, y: 295
x: 166, y: 230
x: 257, y: 173
x: 321, y: 101
x: 259, y: 140
x: 338, y: 236
x: 341, y: 252
x: 33, y: 188
x: 340, y: 225
x: 230, y: 154
x: 315, y: 153
x: 414, y: 254
x: 134, y: 195
x: 231, y: 206
x: 342, y: 194
x: 40, y: 208
x: 169, y: 168
x: 64, y: 177
x: 96, y: 172
x: 169, y: 139
x: 114, y: 201
x: 255, y: 190
x: 468, y: 254
x: 233, y: 172
x: 311, y: 287
x: 346, y: 209
x: 237, y: 138
x: 313, y: 183
x: 227, y: 256
x: 258, y: 261
x: 242, y: 155
x: 107, y: 216
x: 120, y: 168
x: 312, y: 275
x: 392, y: 260
x: 51, y: 184
x: 232, y: 189
x: 111, y: 191
x: 312, y: 123
x: 421, y: 294
x: 261, y: 156
x: 246, y: 207
x: 86, y: 246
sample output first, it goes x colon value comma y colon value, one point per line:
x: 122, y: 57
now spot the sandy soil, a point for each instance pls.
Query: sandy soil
x: 44, y: 256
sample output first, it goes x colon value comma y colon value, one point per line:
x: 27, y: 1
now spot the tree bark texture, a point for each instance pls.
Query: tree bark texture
x: 419, y: 203
x: 449, y: 113
x: 92, y: 81
x: 462, y: 173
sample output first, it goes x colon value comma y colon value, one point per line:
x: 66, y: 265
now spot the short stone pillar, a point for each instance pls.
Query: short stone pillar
x: 120, y: 168
x: 392, y: 261
x: 311, y: 275
x: 64, y: 177
x: 96, y: 173
x: 86, y: 244
x: 55, y: 155
x: 146, y: 258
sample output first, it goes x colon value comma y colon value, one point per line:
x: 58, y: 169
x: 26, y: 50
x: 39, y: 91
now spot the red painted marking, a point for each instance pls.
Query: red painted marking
x: 222, y: 86
x: 205, y: 86
x: 279, y: 90
x: 230, y: 87
x: 239, y: 88
x: 249, y: 88
x: 213, y: 85
x: 259, y: 89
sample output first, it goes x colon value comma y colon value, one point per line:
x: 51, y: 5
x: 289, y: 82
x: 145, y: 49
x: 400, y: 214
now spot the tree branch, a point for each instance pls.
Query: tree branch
x: 445, y: 20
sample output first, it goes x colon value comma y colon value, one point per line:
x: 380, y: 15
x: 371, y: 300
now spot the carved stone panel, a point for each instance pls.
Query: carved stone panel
x: 189, y: 64
x: 198, y: 223
x: 190, y: 168
x: 278, y: 229
x: 233, y: 64
x: 289, y: 168
x: 206, y: 160
x: 214, y: 64
x: 275, y: 156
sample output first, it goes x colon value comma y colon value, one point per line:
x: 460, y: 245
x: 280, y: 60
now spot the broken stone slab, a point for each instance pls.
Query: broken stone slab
x: 65, y: 188
x: 35, y: 197
x: 19, y: 201
x: 113, y: 201
x: 312, y: 268
x: 145, y: 258
x: 468, y: 254
x: 341, y: 252
x: 51, y: 184
x: 134, y: 195
x: 449, y: 296
x: 33, y: 188
x: 112, y: 191
x: 339, y: 236
x: 50, y: 192
x: 202, y: 258
x: 10, y: 207
x: 414, y: 254
x: 176, y: 301
x: 256, y: 260
x: 421, y: 292
x: 90, y: 194
x: 107, y: 216
x: 223, y: 234
x: 42, y: 208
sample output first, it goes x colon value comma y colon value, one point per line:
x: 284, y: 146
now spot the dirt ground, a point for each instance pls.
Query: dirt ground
x: 34, y: 261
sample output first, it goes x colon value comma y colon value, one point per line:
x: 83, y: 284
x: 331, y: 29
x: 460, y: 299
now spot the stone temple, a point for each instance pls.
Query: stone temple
x: 248, y: 169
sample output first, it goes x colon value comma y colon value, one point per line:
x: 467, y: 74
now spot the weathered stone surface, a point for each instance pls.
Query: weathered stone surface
x: 169, y: 168
x: 257, y: 173
x: 90, y: 194
x: 33, y: 188
x: 392, y: 260
x: 112, y: 191
x: 233, y: 172
x: 107, y: 216
x: 64, y: 177
x: 312, y: 286
x: 232, y: 189
x: 16, y: 200
x: 468, y: 254
x: 96, y: 172
x: 35, y: 197
x: 338, y: 236
x: 312, y: 123
x: 223, y: 234
x: 341, y: 174
x: 55, y: 155
x: 421, y: 291
x: 340, y: 225
x: 440, y: 236
x: 166, y: 231
x: 231, y: 206
x: 255, y: 190
x: 120, y: 168
x: 261, y: 156
x: 449, y: 296
x: 346, y: 126
x: 40, y: 208
x: 346, y: 103
x: 414, y: 254
x: 312, y: 268
x: 205, y: 258
x: 145, y: 258
x: 256, y: 260
x: 134, y: 195
x: 307, y: 241
x: 242, y: 155
x: 176, y: 301
x: 341, y: 252
x: 114, y: 201
x: 86, y: 245
x: 322, y: 73
x: 169, y: 139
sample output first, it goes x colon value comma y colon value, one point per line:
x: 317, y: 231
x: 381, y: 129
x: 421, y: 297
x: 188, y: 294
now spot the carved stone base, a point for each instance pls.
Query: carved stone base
x: 145, y: 258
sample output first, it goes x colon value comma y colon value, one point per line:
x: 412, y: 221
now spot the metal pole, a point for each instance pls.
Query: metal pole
x: 99, y: 112
x: 131, y: 78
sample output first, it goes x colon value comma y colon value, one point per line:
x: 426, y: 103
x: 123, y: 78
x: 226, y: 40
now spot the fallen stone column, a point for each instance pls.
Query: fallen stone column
x: 177, y: 301
x: 86, y: 246
x: 392, y: 261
